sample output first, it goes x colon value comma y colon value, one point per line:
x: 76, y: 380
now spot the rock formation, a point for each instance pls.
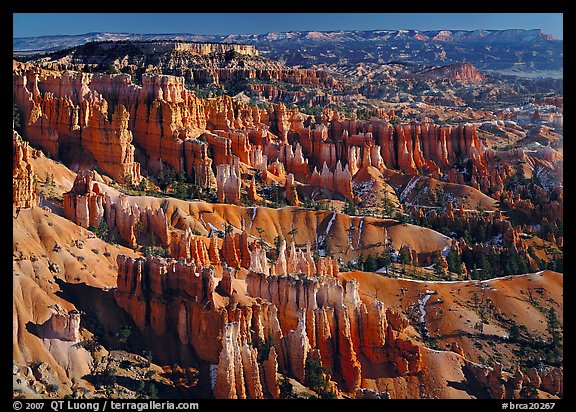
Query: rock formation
x: 455, y: 72
x: 23, y: 177
x: 238, y: 371
x: 190, y: 246
x: 61, y: 325
x: 235, y: 250
x: 332, y: 319
x: 108, y: 140
x: 249, y: 311
x: 161, y: 294
x: 253, y: 196
x: 84, y: 203
x: 270, y: 371
x: 102, y: 114
x: 291, y: 192
x: 339, y: 181
x: 61, y: 114
x: 504, y: 385
x: 228, y: 182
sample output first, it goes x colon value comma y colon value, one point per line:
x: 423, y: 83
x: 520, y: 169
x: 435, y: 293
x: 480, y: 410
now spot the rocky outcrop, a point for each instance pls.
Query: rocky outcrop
x: 292, y: 261
x: 552, y: 381
x: 299, y: 316
x: 238, y: 373
x: 294, y: 161
x: 228, y: 182
x: 319, y: 313
x: 202, y: 49
x: 23, y: 177
x: 213, y: 251
x: 339, y: 181
x: 455, y: 72
x: 418, y: 144
x: 296, y: 348
x: 101, y: 114
x: 557, y: 101
x: 504, y: 385
x: 253, y: 196
x: 178, y: 300
x: 225, y: 285
x: 84, y: 203
x: 198, y: 163
x: 235, y: 251
x: 134, y: 225
x: 109, y: 141
x: 270, y: 372
x: 275, y: 173
x: 191, y: 247
x: 61, y: 114
x: 291, y: 192
x: 62, y: 325
x: 142, y: 285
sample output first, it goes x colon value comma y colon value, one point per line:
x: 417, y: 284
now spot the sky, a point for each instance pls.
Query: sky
x: 45, y: 24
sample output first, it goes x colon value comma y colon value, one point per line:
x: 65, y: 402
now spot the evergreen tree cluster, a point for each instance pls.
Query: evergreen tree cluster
x: 371, y: 262
x: 495, y: 264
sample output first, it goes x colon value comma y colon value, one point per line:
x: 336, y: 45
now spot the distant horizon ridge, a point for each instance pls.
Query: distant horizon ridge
x: 539, y: 30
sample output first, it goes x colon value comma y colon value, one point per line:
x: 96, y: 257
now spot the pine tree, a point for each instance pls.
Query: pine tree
x: 553, y: 327
x: 385, y: 260
x: 485, y: 267
x: 529, y: 391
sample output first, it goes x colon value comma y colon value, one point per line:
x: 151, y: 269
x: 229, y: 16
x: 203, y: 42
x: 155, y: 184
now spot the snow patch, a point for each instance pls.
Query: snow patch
x: 350, y: 230
x: 202, y: 219
x: 409, y: 187
x: 421, y: 305
x: 360, y: 226
x: 320, y: 239
x: 209, y: 225
x: 330, y: 223
x: 445, y: 251
x: 213, y: 228
x: 546, y: 177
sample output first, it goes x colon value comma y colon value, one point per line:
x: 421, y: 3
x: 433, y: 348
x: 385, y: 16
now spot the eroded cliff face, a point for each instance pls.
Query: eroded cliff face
x: 320, y: 313
x: 87, y: 205
x: 23, y: 177
x: 84, y: 203
x: 302, y: 310
x: 63, y: 115
x: 456, y: 72
x: 98, y: 118
x: 62, y: 325
x: 505, y: 385
x: 168, y: 295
